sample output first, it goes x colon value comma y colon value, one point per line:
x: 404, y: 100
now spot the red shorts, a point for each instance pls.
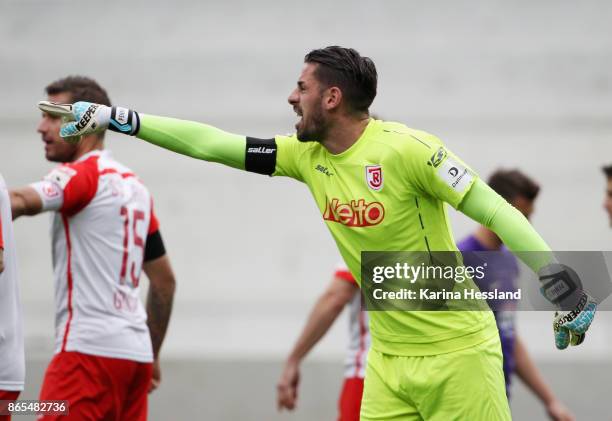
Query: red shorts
x: 7, y: 395
x: 349, y: 404
x: 97, y: 388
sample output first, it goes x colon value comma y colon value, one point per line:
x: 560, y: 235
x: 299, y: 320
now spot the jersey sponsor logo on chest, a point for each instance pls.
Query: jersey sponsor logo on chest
x: 357, y: 213
x: 374, y: 177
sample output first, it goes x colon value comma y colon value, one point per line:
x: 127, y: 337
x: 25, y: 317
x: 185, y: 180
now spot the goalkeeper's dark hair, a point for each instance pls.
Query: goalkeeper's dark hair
x: 80, y: 88
x: 607, y: 170
x: 511, y: 184
x: 346, y: 69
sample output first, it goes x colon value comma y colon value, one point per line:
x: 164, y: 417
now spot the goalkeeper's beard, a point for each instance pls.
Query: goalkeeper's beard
x: 312, y: 129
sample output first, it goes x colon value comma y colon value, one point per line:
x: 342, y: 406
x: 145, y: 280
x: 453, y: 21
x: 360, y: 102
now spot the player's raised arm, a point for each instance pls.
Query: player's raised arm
x: 197, y: 140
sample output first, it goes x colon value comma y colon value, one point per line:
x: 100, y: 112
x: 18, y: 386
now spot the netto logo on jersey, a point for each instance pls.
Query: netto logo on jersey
x: 437, y: 158
x: 261, y: 149
x: 86, y: 117
x: 357, y: 213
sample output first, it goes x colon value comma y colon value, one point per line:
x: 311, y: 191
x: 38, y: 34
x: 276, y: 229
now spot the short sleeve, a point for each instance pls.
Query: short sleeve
x: 436, y: 171
x: 50, y: 193
x: 344, y: 274
x: 153, y: 222
x: 68, y: 188
x: 287, y: 157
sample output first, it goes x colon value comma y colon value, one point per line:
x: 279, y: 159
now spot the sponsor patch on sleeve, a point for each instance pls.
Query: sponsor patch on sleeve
x: 61, y: 176
x: 456, y: 175
x: 51, y: 190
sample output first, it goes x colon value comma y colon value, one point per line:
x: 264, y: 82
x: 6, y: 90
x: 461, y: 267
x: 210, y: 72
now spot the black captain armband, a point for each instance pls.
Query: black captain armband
x: 154, y: 247
x: 260, y: 155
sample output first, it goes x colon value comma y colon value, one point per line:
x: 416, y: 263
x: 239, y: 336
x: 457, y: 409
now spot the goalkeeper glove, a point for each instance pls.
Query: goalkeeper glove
x: 562, y: 286
x: 84, y: 118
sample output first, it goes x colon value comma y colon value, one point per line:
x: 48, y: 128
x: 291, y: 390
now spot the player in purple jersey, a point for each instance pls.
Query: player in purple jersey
x: 502, y: 273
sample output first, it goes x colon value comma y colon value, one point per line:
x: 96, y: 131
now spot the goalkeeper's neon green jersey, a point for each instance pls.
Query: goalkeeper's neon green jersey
x: 387, y: 193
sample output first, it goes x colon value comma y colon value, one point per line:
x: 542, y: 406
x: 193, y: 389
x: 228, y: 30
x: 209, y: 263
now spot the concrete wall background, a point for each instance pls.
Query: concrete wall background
x: 518, y: 84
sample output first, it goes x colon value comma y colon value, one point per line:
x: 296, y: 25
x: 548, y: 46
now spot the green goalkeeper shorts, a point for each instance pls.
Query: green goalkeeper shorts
x: 461, y: 385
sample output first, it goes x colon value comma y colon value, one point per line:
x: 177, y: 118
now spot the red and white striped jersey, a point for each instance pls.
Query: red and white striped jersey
x: 12, y: 361
x: 102, y: 217
x: 359, y: 331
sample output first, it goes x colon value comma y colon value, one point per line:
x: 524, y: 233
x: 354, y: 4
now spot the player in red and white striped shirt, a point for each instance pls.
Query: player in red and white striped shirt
x: 104, y: 234
x: 12, y: 365
x: 342, y: 291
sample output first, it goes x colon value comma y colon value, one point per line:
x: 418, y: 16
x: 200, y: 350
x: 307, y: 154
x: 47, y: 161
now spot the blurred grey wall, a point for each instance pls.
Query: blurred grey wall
x: 513, y: 84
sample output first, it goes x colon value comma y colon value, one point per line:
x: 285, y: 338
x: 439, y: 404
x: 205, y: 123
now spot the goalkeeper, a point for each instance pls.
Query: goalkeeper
x: 380, y: 186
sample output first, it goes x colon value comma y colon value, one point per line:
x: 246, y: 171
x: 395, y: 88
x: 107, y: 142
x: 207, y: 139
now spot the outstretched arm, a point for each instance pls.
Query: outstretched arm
x: 325, y: 311
x: 25, y: 201
x: 189, y: 138
x: 274, y: 156
x: 193, y: 139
